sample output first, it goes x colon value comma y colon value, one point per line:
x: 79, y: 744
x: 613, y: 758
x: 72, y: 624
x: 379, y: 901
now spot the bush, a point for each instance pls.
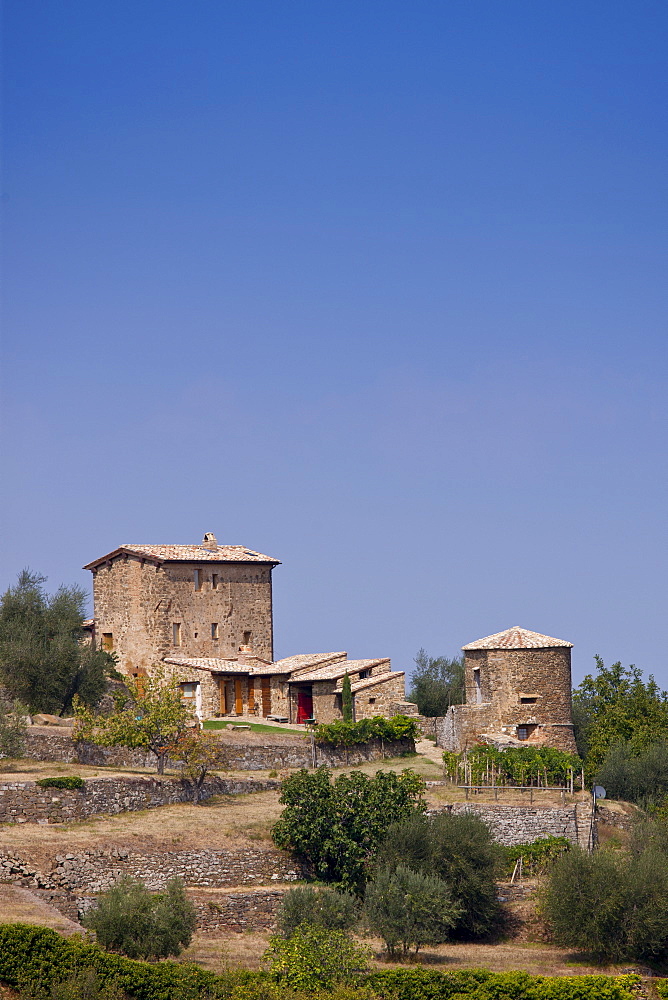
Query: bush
x: 317, y: 907
x: 71, y: 781
x: 409, y: 909
x: 461, y: 852
x: 347, y: 734
x: 315, y: 956
x: 337, y: 826
x: 37, y: 957
x: 135, y: 922
x: 83, y: 985
x: 640, y: 778
x: 612, y: 906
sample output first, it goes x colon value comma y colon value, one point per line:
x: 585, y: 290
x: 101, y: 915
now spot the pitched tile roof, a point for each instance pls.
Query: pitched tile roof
x: 517, y: 638
x: 211, y: 663
x: 336, y: 670
x: 302, y: 661
x: 374, y: 680
x: 188, y: 553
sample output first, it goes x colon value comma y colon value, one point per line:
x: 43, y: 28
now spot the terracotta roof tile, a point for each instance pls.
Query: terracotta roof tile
x: 302, y: 661
x: 517, y: 638
x: 188, y: 553
x: 336, y: 670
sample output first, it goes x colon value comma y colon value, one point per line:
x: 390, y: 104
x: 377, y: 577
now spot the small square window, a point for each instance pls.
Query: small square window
x: 372, y: 701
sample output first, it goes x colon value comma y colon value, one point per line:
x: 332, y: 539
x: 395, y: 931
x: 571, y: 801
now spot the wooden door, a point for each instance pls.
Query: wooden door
x: 238, y: 697
x: 266, y: 697
x: 304, y: 704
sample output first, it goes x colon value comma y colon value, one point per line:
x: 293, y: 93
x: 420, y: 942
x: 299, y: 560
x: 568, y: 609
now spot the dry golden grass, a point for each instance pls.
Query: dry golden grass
x: 227, y: 821
x: 19, y: 905
x: 216, y: 951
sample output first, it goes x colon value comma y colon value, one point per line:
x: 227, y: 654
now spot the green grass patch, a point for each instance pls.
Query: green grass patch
x: 255, y: 727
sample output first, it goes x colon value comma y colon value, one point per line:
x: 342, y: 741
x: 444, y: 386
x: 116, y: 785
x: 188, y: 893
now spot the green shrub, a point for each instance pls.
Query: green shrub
x: 409, y: 909
x: 319, y: 907
x: 37, y: 957
x: 337, y: 825
x: 140, y: 924
x: 83, y: 985
x: 13, y: 722
x: 640, y: 777
x: 315, y: 956
x: 71, y: 781
x: 347, y: 734
x: 614, y: 906
x: 460, y: 851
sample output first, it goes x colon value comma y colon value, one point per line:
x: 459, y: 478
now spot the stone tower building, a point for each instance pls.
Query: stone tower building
x: 154, y: 601
x: 518, y: 691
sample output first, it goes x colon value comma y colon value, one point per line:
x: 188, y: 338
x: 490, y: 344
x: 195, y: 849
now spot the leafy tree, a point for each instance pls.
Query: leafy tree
x: 617, y: 706
x: 316, y: 957
x: 317, y: 906
x: 154, y: 719
x: 409, y: 909
x: 135, y: 922
x: 338, y: 825
x: 640, y: 778
x: 44, y: 657
x: 198, y: 752
x: 347, y: 699
x: 612, y: 905
x: 13, y: 721
x: 437, y: 683
x: 460, y: 851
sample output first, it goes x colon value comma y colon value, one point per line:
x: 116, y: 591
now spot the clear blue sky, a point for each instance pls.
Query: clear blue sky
x: 375, y: 287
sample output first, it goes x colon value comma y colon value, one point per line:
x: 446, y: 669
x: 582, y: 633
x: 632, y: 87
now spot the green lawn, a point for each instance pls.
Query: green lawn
x: 255, y: 727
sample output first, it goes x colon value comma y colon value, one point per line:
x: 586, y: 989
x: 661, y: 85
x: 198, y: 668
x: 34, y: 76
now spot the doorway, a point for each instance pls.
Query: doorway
x: 304, y: 703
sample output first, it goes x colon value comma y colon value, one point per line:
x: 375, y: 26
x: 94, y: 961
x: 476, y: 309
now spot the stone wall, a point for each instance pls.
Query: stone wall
x: 52, y: 744
x: 94, y: 871
x: 512, y: 825
x: 27, y: 802
x: 378, y: 699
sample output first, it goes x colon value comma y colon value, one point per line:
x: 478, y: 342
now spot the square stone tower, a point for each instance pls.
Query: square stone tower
x: 518, y: 691
x: 207, y: 600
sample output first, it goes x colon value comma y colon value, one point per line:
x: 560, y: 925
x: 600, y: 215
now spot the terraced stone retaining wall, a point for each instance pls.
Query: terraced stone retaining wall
x: 27, y: 802
x: 511, y: 825
x: 43, y: 743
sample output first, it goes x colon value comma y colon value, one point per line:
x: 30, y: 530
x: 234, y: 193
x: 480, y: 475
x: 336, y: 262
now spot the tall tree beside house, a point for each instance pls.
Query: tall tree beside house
x: 153, y: 718
x: 44, y: 658
x: 437, y: 683
x: 347, y: 699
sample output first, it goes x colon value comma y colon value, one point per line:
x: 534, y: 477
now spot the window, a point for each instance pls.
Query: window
x: 176, y: 633
x: 247, y: 638
x: 214, y: 581
x: 198, y: 579
x: 107, y: 642
x: 372, y: 701
x: 478, y: 686
x: 522, y: 733
x: 214, y: 630
x: 528, y: 700
x: 364, y: 673
x: 188, y: 691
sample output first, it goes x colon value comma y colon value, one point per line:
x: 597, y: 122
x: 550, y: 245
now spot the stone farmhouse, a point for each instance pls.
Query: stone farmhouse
x: 518, y: 692
x: 204, y: 613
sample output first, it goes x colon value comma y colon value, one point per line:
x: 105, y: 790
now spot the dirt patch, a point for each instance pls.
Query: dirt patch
x: 19, y: 905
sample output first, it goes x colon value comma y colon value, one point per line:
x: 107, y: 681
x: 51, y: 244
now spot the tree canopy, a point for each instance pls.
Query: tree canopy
x: 153, y: 718
x: 617, y: 706
x: 44, y: 658
x: 437, y: 683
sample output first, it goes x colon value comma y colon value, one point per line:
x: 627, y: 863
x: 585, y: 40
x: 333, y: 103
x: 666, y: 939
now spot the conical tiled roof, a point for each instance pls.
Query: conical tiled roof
x: 516, y: 638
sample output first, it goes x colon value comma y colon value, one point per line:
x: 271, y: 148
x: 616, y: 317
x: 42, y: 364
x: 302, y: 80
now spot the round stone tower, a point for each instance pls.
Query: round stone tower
x: 518, y: 684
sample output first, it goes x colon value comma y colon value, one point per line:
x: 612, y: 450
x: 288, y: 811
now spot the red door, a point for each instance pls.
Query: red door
x: 304, y: 705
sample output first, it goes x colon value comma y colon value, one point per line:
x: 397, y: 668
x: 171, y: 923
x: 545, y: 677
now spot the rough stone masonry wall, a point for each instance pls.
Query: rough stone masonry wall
x: 27, y: 802
x: 53, y: 744
x: 95, y: 871
x: 511, y: 825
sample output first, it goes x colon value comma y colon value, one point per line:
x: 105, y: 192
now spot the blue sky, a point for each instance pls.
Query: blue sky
x: 377, y: 288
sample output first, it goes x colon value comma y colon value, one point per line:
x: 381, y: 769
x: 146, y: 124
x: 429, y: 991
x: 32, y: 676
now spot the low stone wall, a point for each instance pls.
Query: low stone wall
x: 27, y: 802
x: 95, y: 871
x: 46, y: 744
x: 511, y: 825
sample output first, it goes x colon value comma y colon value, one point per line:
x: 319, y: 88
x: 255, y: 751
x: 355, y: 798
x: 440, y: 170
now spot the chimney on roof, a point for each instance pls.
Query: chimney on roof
x: 209, y: 541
